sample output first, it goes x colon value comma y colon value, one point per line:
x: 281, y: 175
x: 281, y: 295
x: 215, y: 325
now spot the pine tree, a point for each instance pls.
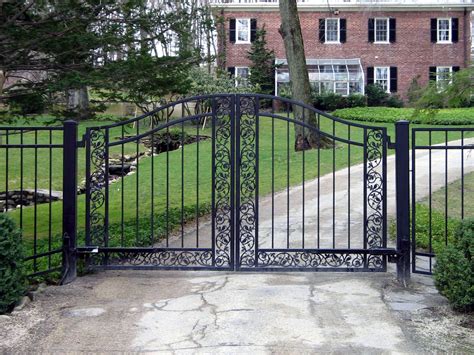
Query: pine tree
x: 262, y: 70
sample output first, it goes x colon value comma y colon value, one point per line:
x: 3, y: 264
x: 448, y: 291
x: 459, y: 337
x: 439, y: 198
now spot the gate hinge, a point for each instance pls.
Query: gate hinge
x: 393, y: 258
x: 390, y: 144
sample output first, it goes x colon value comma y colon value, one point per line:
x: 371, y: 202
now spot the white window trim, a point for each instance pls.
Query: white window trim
x: 236, y: 69
x: 386, y: 19
x: 388, y: 77
x: 338, y: 41
x: 237, y: 31
x: 450, y: 73
x: 450, y: 29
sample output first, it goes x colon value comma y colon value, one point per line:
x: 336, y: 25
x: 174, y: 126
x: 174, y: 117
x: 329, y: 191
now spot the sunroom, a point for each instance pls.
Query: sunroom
x: 341, y: 76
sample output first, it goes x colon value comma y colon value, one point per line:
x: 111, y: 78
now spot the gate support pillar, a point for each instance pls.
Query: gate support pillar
x: 69, y: 201
x: 402, y: 166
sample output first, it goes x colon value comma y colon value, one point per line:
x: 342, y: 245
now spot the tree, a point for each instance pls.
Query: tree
x: 290, y: 30
x: 129, y: 50
x: 262, y: 69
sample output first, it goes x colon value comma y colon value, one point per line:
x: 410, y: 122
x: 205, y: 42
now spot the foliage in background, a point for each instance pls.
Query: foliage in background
x: 414, y: 92
x: 330, y: 101
x: 262, y: 69
x: 459, y: 116
x: 454, y: 269
x: 377, y: 96
x: 12, y: 279
x: 131, y: 50
x: 204, y: 83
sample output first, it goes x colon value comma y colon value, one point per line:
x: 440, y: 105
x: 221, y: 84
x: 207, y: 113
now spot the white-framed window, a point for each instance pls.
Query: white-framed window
x: 381, y: 28
x: 382, y: 77
x: 241, y: 76
x: 332, y: 27
x: 243, y: 30
x: 444, y: 30
x: 443, y: 77
x: 341, y: 88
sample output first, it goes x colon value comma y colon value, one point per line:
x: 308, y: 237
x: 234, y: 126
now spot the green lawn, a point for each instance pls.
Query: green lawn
x: 433, y: 222
x: 137, y: 199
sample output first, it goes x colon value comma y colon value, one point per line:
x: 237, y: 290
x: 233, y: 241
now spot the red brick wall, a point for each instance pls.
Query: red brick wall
x: 413, y: 53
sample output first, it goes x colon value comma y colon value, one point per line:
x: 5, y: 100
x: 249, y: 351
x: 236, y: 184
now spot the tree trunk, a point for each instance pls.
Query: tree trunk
x: 290, y: 30
x: 78, y: 103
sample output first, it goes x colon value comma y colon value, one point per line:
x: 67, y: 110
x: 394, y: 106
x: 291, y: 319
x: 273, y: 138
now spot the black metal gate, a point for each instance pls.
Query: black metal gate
x: 215, y: 182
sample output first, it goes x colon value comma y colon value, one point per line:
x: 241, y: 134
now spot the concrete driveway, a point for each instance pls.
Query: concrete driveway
x: 215, y: 312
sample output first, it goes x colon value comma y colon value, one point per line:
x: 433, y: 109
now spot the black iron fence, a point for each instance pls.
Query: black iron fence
x: 442, y: 189
x: 31, y: 185
x: 207, y: 182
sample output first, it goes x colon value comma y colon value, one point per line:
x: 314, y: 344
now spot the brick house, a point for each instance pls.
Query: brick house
x: 352, y: 43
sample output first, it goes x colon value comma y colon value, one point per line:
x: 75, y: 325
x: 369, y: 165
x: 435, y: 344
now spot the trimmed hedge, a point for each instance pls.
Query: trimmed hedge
x: 455, y: 116
x: 454, y: 269
x: 12, y: 277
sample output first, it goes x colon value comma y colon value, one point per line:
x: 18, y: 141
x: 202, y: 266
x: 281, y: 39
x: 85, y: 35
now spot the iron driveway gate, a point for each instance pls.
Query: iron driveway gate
x: 209, y: 186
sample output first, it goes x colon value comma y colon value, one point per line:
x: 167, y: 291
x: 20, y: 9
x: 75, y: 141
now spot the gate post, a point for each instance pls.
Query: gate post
x: 402, y: 169
x: 69, y: 201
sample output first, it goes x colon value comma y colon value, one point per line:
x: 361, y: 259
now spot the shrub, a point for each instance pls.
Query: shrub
x: 376, y: 96
x: 458, y: 116
x: 27, y: 103
x: 12, y: 279
x: 454, y: 269
x: 356, y: 100
x: 415, y: 90
x: 394, y: 101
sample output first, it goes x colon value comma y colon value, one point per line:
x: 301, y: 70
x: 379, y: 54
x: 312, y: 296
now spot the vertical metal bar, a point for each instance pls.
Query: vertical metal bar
x: 35, y: 206
x: 106, y: 204
x: 50, y: 187
x: 197, y: 182
x: 273, y: 179
x: 349, y: 187
x: 462, y: 175
x: 182, y: 184
x: 384, y: 190
x: 319, y: 184
x: 88, y: 187
x: 152, y: 212
x: 257, y: 181
x: 413, y: 198
x: 213, y: 179
x: 235, y: 116
x: 288, y: 183
x: 21, y: 179
x: 137, y: 185
x: 365, y: 190
x: 403, y: 199
x: 430, y: 241
x: 302, y: 197
x: 69, y: 200
x: 122, y: 193
x: 167, y: 180
x: 334, y: 184
x: 7, y: 168
x: 446, y: 189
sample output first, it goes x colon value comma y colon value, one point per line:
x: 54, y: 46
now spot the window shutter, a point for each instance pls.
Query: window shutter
x: 322, y: 30
x: 253, y: 29
x: 370, y: 75
x: 343, y: 30
x: 434, y: 30
x: 432, y: 74
x: 393, y: 30
x: 231, y: 71
x: 456, y: 69
x: 393, y: 79
x: 232, y: 30
x: 371, y: 30
x: 455, y: 29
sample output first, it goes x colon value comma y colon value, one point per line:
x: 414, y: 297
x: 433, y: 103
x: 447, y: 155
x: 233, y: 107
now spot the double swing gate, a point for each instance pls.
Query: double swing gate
x: 224, y: 181
x: 207, y: 183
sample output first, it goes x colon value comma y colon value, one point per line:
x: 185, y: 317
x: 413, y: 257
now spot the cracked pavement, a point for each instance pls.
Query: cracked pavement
x: 216, y: 312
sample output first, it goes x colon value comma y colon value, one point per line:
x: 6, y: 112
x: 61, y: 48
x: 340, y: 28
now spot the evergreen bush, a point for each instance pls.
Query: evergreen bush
x: 454, y: 269
x: 12, y: 278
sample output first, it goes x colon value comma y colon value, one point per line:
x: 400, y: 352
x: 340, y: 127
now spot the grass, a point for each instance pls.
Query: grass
x: 140, y: 209
x: 432, y: 221
x: 454, y: 116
